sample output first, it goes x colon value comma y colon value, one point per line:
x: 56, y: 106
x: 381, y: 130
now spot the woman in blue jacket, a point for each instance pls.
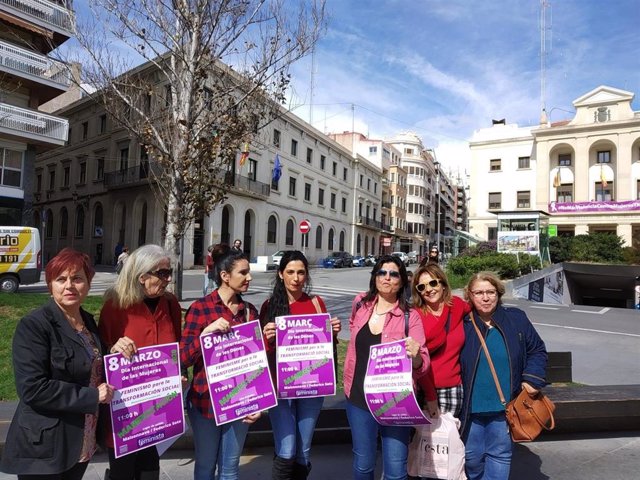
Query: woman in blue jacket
x: 519, y: 357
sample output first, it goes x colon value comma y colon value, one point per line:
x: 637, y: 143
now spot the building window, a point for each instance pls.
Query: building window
x: 375, y: 187
x: 100, y: 168
x: 276, y: 138
x: 309, y: 155
x: 373, y: 150
x: 604, y: 193
x: 39, y: 182
x: 288, y: 240
x: 524, y: 162
x: 330, y: 240
x: 253, y: 170
x: 333, y: 200
x: 98, y: 220
x: 408, y: 151
x: 79, y: 222
x: 564, y: 160
x: 11, y: 167
x: 85, y: 130
x: 52, y: 179
x: 207, y: 98
x: 493, y: 233
x: 124, y: 158
x: 323, y: 161
x: 495, y: 200
x: 524, y: 199
x: 294, y: 148
x: 344, y: 174
x: 82, y: 179
x: 321, y: 196
x: 318, y: 237
x: 292, y: 187
x: 361, y: 180
x: 495, y: 164
x: 272, y: 226
x: 307, y: 192
x: 341, y: 241
x: 604, y: 156
x: 368, y: 184
x: 103, y: 123
x: 48, y: 231
x: 564, y: 194
x: 66, y: 175
x: 64, y: 222
x: 344, y: 205
x: 335, y: 169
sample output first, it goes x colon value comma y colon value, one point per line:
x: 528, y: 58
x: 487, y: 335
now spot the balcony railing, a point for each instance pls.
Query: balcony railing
x: 57, y: 16
x: 245, y: 183
x: 360, y: 220
x: 33, y: 124
x: 31, y: 63
x: 128, y: 177
x: 386, y: 204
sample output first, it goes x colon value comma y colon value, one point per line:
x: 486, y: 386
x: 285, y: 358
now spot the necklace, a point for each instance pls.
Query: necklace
x: 375, y: 316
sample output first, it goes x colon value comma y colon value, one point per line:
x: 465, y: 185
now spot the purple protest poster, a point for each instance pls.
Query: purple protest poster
x: 237, y: 372
x: 305, y: 366
x: 388, y: 386
x: 147, y: 406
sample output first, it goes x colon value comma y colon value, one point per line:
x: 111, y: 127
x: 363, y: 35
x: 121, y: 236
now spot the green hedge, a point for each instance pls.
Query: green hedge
x: 506, y: 265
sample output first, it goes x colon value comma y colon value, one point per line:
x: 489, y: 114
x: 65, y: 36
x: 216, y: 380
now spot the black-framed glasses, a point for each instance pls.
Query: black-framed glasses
x: 162, y: 273
x: 391, y: 273
x: 421, y: 287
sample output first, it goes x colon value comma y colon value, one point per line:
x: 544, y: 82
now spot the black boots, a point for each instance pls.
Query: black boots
x: 282, y: 468
x: 301, y: 472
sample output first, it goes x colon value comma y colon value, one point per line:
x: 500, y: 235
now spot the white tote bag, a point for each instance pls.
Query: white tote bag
x: 436, y: 450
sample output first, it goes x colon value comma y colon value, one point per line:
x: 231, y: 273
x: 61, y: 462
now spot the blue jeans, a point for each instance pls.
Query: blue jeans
x: 293, y: 422
x: 215, y: 445
x: 488, y: 447
x: 364, y: 434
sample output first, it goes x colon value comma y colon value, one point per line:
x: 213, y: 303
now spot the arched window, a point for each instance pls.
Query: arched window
x: 373, y: 246
x: 272, y: 227
x: 342, y: 241
x: 49, y: 229
x: 331, y: 235
x: 142, y: 231
x: 79, y: 222
x: 64, y: 222
x: 288, y: 239
x: 358, y: 241
x: 318, y: 237
x: 98, y: 220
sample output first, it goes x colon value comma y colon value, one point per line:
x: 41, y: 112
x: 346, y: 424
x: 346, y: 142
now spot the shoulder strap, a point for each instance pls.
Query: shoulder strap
x: 486, y: 352
x: 406, y: 323
x: 446, y: 325
x: 316, y: 304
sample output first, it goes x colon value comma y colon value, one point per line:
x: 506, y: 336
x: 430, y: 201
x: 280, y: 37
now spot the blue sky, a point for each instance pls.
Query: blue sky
x: 444, y: 68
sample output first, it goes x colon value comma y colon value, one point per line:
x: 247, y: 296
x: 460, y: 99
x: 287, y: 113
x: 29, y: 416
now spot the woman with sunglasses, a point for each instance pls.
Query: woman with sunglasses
x: 378, y: 316
x: 519, y: 357
x: 292, y: 420
x: 216, y: 446
x: 139, y: 312
x: 441, y: 314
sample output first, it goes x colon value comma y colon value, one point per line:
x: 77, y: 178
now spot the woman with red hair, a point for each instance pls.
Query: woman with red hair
x: 57, y: 362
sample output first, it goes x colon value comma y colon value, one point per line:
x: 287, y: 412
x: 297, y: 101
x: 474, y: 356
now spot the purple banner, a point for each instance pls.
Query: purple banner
x: 237, y: 372
x: 147, y: 406
x: 304, y: 356
x: 388, y: 386
x: 578, y: 207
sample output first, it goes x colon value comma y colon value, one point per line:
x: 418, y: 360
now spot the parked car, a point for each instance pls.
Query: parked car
x: 276, y: 257
x: 403, y: 256
x: 413, y: 257
x: 370, y: 260
x: 358, y: 261
x: 338, y: 260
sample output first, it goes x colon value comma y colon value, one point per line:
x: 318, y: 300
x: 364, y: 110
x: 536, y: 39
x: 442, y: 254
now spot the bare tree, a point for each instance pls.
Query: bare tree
x: 209, y: 75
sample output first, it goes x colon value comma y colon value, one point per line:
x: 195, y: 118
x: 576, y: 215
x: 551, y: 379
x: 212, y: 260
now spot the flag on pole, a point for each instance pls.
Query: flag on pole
x: 244, y: 154
x: 277, y: 170
x: 557, y: 181
x: 603, y: 179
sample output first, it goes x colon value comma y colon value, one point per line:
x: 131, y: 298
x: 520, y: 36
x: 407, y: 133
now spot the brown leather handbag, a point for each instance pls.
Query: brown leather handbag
x: 527, y: 415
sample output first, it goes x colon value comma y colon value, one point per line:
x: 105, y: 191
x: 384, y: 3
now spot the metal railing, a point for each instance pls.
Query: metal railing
x: 127, y: 177
x: 33, y: 63
x: 386, y: 204
x: 245, y: 183
x: 360, y: 220
x: 24, y: 121
x: 48, y: 12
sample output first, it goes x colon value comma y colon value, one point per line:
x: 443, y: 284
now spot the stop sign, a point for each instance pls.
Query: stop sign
x: 304, y: 226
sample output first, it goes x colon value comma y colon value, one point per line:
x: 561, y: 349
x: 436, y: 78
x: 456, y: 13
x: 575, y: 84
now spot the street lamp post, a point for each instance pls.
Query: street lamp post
x: 437, y: 165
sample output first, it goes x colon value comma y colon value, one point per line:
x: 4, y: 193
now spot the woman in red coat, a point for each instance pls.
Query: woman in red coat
x: 441, y: 314
x: 139, y: 312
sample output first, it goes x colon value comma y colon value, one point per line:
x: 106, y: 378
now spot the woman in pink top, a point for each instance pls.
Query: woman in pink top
x: 380, y: 316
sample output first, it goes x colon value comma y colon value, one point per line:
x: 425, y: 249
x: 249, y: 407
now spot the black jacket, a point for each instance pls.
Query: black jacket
x: 52, y: 372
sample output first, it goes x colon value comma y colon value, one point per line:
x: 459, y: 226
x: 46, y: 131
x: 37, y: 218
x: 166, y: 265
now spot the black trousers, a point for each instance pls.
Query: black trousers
x: 74, y: 473
x: 135, y: 465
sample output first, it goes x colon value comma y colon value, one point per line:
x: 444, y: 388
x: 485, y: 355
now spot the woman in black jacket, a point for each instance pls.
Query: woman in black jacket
x: 57, y: 362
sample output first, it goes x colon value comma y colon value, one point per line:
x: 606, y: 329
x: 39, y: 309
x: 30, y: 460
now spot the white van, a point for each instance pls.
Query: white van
x: 20, y: 257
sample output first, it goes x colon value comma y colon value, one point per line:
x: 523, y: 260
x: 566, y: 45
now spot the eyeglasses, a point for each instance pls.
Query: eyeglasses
x: 482, y: 293
x: 421, y: 287
x: 391, y: 273
x: 163, y: 273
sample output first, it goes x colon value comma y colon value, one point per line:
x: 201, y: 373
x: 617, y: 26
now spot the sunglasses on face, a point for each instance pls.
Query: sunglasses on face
x: 391, y: 273
x: 421, y: 287
x: 162, y: 273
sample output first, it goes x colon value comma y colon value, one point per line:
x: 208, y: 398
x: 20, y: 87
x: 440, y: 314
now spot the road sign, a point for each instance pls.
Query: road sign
x: 304, y: 226
x: 553, y: 230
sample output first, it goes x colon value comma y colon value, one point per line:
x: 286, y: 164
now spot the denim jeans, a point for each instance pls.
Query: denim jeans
x: 364, y: 434
x: 293, y: 423
x: 215, y: 445
x: 488, y: 447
